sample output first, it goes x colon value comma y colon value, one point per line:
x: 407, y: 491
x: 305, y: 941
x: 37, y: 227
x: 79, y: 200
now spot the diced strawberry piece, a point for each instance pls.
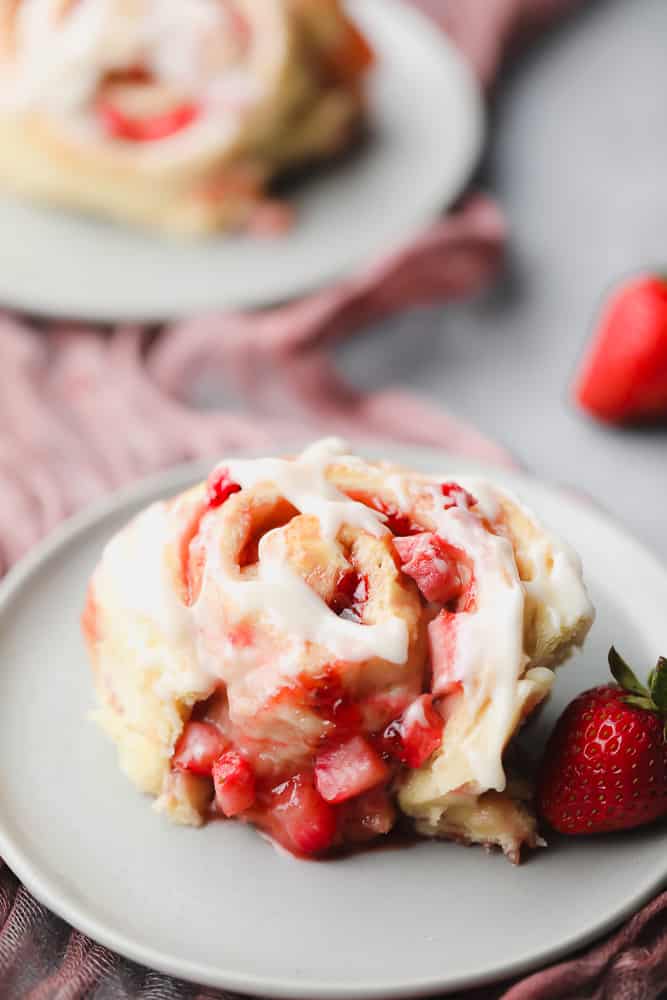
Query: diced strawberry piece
x: 414, y: 737
x: 149, y: 129
x: 301, y: 818
x: 368, y: 816
x: 234, y: 781
x: 198, y: 747
x: 421, y: 731
x: 349, y: 769
x: 442, y: 635
x: 456, y: 496
x: 220, y: 487
x: 432, y: 564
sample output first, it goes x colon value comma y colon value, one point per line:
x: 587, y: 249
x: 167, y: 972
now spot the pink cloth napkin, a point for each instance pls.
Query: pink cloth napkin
x: 84, y: 410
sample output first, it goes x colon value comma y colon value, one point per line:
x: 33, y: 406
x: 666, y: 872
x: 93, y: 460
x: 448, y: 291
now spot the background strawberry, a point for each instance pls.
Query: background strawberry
x: 623, y: 376
x: 605, y: 765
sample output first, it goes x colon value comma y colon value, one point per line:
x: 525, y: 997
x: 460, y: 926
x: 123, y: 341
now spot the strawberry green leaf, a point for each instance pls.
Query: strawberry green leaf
x: 625, y: 676
x: 637, y: 701
x: 658, y: 684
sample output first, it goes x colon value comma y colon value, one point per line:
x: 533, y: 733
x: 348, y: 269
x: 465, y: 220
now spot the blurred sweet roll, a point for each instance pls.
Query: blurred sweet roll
x: 174, y: 114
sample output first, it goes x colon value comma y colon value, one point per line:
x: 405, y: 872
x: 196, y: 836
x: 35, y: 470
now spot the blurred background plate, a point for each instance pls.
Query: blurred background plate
x: 428, y: 124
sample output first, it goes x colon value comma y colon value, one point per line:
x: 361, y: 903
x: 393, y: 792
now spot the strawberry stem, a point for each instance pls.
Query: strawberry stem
x: 638, y: 702
x: 625, y: 676
x: 658, y: 685
x: 652, y: 698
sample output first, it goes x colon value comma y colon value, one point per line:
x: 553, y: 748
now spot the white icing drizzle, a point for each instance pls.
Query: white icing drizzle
x: 304, y: 484
x: 489, y: 652
x: 489, y: 638
x: 58, y: 64
x: 556, y: 568
x: 489, y: 656
x: 278, y: 593
x: 135, y: 565
x: 145, y: 585
x: 398, y: 484
x: 135, y: 570
x: 284, y: 599
x: 60, y: 61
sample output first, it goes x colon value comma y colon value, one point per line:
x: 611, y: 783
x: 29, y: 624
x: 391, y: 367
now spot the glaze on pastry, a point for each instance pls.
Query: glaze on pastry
x: 173, y: 114
x: 315, y: 645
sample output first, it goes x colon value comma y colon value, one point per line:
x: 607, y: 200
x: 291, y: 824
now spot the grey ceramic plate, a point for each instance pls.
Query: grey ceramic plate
x: 220, y: 905
x: 427, y: 126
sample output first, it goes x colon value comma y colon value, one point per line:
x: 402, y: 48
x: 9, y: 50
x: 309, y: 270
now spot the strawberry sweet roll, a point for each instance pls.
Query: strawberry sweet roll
x: 319, y: 645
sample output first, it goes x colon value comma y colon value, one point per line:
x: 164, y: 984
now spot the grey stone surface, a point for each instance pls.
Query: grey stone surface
x: 578, y: 156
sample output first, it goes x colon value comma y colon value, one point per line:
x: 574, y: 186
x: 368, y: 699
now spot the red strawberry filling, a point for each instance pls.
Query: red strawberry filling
x: 198, y: 748
x: 433, y: 564
x: 347, y: 770
x: 415, y: 737
x: 399, y: 524
x: 367, y: 816
x: 121, y: 123
x: 220, y: 487
x: 326, y: 696
x: 234, y: 781
x: 350, y: 595
x: 456, y: 496
x: 299, y: 818
x: 442, y: 636
x: 341, y: 793
x: 324, y: 772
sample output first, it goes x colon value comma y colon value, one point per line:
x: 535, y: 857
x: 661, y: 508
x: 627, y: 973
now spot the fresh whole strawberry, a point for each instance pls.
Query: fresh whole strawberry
x: 623, y: 376
x: 605, y: 766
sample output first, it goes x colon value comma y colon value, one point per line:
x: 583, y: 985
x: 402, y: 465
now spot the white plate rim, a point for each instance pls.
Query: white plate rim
x: 34, y: 301
x: 42, y: 889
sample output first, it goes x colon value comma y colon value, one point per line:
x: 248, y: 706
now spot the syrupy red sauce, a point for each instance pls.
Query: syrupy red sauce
x: 399, y: 524
x: 456, y: 496
x: 401, y: 835
x: 350, y: 594
x: 325, y: 695
x: 220, y: 487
